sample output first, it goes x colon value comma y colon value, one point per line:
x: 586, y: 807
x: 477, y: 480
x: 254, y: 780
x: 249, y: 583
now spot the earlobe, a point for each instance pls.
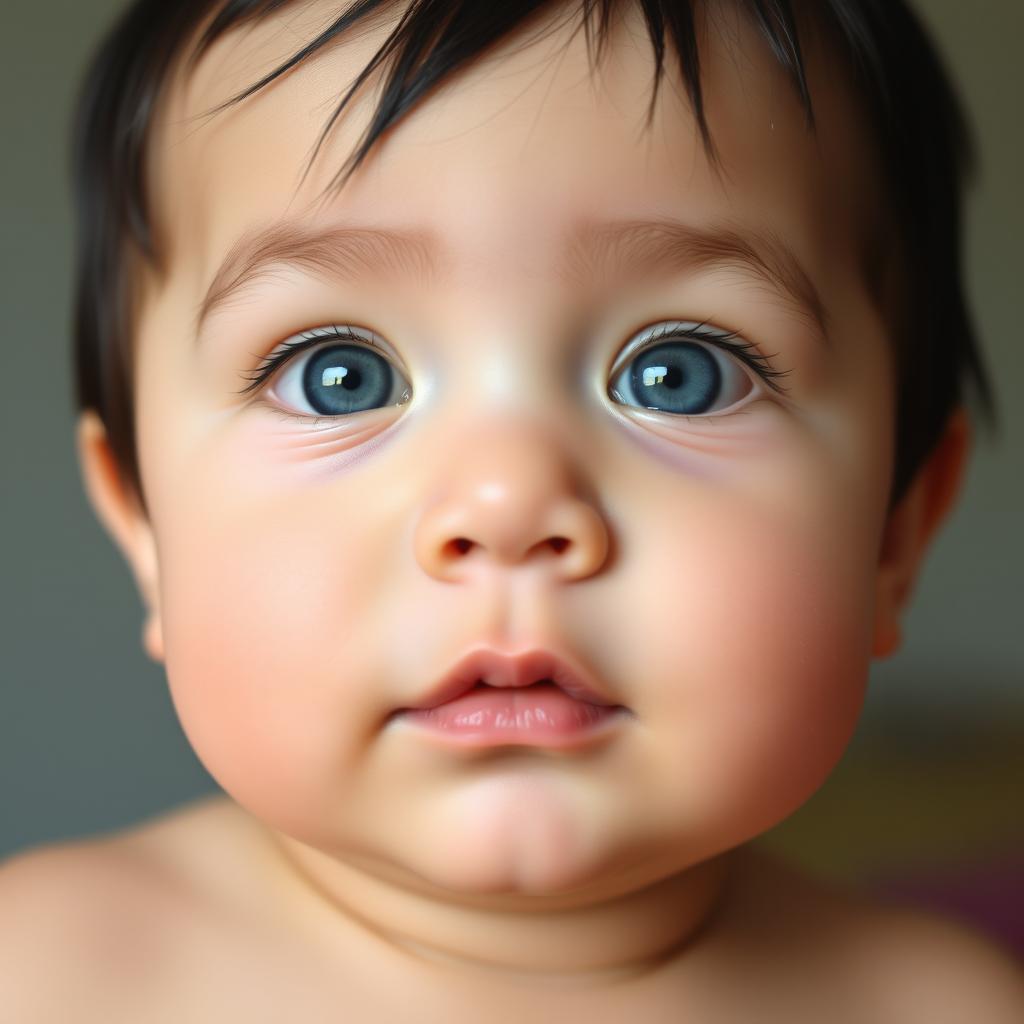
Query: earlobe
x: 888, y: 635
x: 153, y: 636
x: 911, y: 527
x: 119, y: 511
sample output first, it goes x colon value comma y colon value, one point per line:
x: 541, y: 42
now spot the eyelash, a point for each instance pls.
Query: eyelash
x: 289, y: 349
x: 745, y: 351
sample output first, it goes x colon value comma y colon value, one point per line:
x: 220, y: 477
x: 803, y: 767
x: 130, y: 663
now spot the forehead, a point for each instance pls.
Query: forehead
x: 508, y: 159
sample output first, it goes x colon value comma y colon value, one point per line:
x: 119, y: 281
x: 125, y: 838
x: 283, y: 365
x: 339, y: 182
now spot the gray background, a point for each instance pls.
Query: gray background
x: 88, y: 737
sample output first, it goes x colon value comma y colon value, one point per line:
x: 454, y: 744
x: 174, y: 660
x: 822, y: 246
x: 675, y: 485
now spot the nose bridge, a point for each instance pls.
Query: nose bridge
x: 509, y: 493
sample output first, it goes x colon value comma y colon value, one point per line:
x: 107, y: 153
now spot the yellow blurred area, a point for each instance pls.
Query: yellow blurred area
x: 906, y: 796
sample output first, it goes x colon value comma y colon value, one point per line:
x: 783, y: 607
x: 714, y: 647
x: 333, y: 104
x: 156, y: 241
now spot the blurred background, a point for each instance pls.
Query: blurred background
x: 928, y: 803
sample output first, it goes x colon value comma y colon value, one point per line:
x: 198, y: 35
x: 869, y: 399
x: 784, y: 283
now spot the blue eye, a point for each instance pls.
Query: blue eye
x: 341, y: 379
x: 688, y: 377
x: 317, y: 379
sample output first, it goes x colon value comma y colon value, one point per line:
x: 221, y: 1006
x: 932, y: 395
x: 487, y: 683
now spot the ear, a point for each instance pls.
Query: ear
x: 910, y: 528
x: 118, y: 508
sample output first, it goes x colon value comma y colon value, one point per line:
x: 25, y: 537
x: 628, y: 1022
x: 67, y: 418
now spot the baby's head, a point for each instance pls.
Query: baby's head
x: 666, y: 382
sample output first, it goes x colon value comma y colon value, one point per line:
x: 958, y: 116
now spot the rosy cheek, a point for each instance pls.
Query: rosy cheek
x: 755, y: 655
x: 265, y: 634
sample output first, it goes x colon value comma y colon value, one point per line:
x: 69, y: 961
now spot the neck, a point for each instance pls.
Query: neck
x: 585, y: 938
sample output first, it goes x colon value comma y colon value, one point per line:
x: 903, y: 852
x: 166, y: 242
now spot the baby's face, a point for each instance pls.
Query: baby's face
x: 720, y: 529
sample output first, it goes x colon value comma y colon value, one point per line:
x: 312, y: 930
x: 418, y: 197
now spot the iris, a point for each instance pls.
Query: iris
x: 677, y: 377
x: 346, y: 378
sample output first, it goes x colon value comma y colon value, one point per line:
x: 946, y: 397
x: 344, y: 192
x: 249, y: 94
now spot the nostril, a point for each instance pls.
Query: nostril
x: 460, y: 545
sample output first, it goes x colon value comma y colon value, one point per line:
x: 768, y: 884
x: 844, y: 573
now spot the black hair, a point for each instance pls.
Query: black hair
x: 919, y: 130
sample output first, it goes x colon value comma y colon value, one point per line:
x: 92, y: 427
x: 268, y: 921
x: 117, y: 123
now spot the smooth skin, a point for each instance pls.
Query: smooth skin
x: 727, y: 575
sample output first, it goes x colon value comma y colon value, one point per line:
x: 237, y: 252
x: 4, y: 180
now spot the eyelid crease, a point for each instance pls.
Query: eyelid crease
x: 746, y: 351
x: 287, y: 350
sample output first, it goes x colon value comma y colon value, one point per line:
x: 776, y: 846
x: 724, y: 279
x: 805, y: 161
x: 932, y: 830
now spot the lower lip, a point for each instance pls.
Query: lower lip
x: 539, y: 715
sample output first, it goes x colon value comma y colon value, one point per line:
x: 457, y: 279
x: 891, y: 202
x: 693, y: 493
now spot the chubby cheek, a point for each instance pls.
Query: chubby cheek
x: 756, y: 655
x: 266, y: 640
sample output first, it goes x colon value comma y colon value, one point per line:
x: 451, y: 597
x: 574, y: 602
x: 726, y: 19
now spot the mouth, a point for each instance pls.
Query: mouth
x: 492, y: 669
x: 532, y: 699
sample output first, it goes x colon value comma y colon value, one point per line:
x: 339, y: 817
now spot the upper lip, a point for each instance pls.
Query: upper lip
x: 499, y: 669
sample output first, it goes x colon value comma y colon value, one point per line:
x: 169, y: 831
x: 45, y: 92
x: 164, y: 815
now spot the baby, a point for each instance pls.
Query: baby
x: 501, y: 667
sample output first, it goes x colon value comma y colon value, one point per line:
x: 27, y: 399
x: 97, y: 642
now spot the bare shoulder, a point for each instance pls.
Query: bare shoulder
x: 885, y: 963
x: 920, y: 966
x: 99, y: 915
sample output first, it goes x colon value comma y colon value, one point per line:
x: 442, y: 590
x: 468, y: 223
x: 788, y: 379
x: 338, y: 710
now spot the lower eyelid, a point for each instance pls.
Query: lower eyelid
x: 327, y: 430
x: 748, y: 432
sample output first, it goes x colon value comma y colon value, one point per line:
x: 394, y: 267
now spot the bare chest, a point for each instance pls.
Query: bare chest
x: 228, y: 977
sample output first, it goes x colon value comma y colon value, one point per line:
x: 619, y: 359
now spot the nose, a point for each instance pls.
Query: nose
x: 509, y: 498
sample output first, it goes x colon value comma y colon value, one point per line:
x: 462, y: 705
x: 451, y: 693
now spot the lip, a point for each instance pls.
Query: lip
x: 503, y: 670
x: 566, y: 712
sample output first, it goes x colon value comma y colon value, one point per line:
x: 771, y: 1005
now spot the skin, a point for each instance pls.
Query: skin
x: 727, y: 577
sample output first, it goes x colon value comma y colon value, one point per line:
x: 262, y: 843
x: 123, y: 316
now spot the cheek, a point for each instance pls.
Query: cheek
x: 757, y: 652
x: 263, y: 604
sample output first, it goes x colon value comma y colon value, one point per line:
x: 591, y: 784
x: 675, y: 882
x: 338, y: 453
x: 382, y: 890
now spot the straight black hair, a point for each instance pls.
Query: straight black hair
x: 918, y: 127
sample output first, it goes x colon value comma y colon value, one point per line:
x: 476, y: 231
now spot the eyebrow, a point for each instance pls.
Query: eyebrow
x: 647, y: 247
x: 344, y: 252
x: 595, y: 250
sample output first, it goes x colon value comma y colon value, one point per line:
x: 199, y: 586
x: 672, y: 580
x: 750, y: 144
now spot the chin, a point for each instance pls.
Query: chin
x: 510, y: 835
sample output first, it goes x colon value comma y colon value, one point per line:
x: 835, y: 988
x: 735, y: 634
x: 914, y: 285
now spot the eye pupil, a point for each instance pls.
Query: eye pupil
x: 351, y: 380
